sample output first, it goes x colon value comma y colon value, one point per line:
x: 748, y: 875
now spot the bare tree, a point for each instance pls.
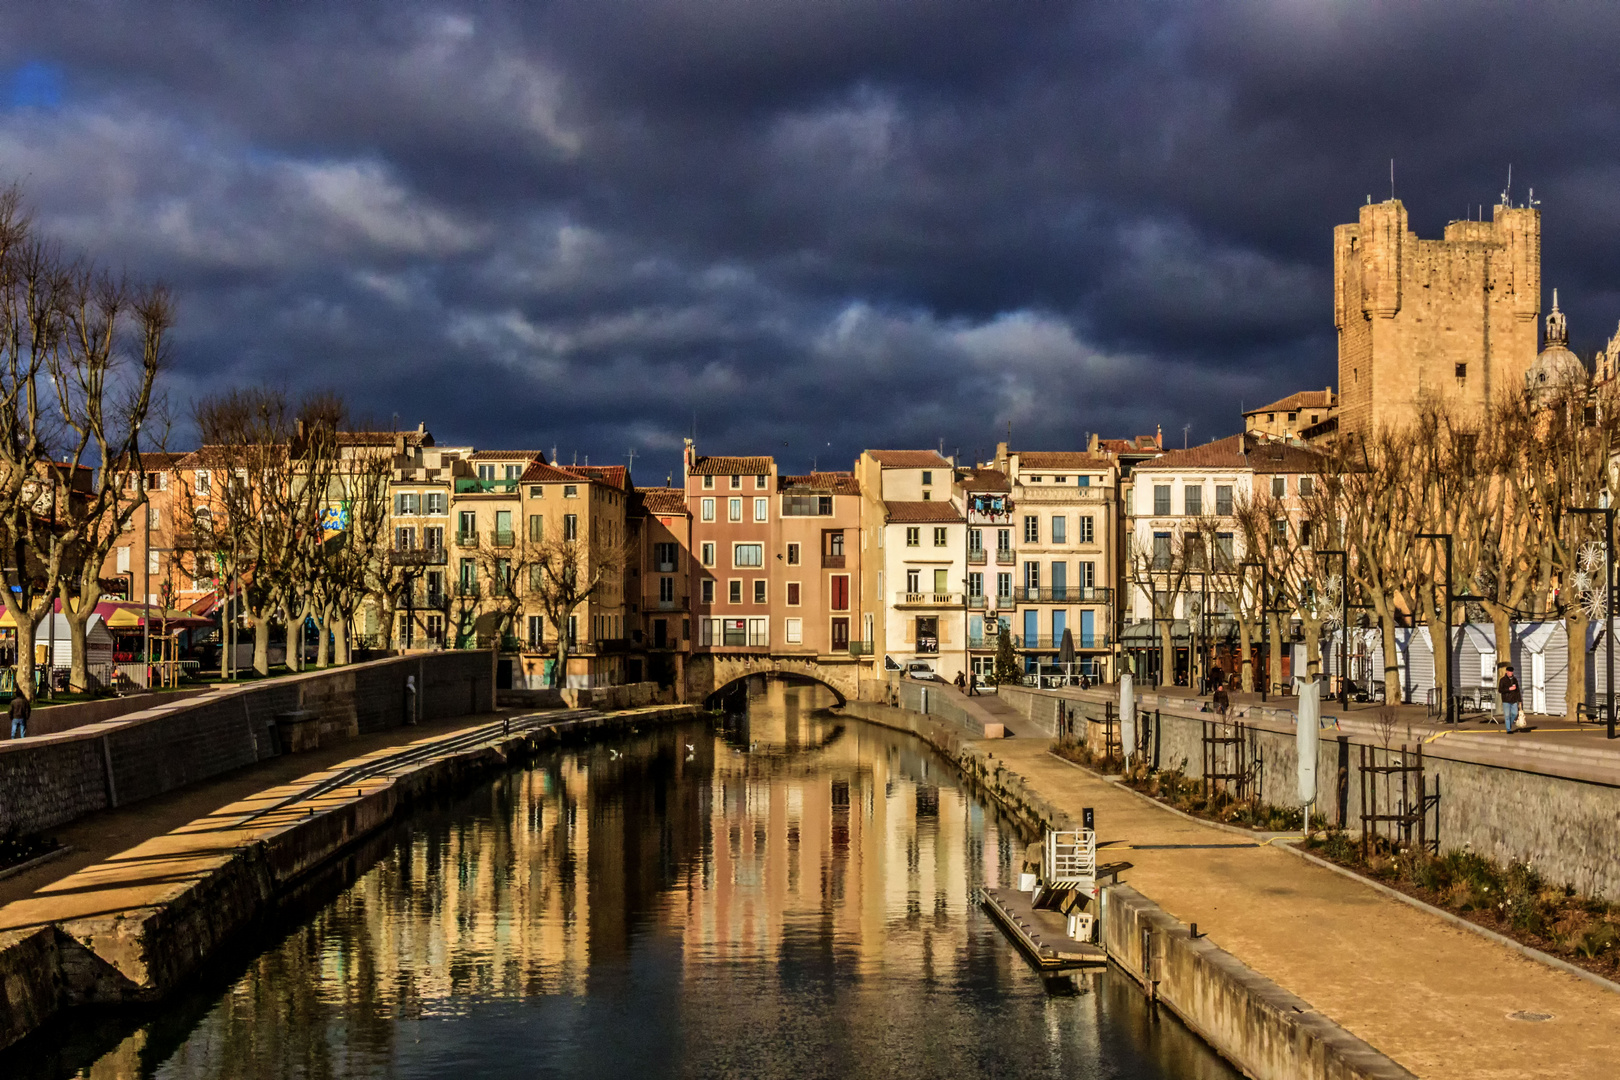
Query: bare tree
x: 1160, y: 571
x: 562, y: 575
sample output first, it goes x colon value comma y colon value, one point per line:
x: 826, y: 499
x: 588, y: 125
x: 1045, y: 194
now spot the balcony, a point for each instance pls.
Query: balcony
x: 1045, y: 642
x: 928, y: 599
x: 927, y: 646
x: 977, y: 557
x: 832, y: 562
x: 466, y: 590
x: 502, y: 538
x: 1063, y: 594
x: 976, y: 601
x: 1005, y: 557
x: 467, y: 539
x: 677, y: 603
x: 427, y: 556
x: 467, y: 485
x: 665, y: 567
x: 860, y: 648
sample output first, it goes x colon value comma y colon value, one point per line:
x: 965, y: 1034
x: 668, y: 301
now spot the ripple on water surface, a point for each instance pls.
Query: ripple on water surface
x: 786, y: 896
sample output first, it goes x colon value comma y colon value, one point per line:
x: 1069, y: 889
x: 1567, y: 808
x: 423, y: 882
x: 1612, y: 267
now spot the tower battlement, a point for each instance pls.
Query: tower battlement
x: 1450, y: 319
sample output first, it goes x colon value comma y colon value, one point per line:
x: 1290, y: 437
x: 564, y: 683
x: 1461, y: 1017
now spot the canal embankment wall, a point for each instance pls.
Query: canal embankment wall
x: 153, y: 934
x: 1267, y: 1032
x: 53, y: 779
x: 1556, y: 808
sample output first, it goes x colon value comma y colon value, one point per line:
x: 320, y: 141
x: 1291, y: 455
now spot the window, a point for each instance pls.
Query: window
x: 707, y: 592
x: 123, y: 560
x: 734, y: 509
x: 913, y: 581
x: 514, y: 471
x: 762, y: 509
x: 665, y: 555
x: 913, y: 536
x: 503, y: 577
x: 1192, y: 552
x: 976, y: 584
x: 1307, y: 486
x: 1305, y: 533
x: 928, y: 496
x: 832, y: 544
x: 1279, y: 531
x: 840, y: 592
x: 1032, y: 529
x: 793, y: 594
x: 736, y: 483
x: 1223, y: 500
x: 1161, y: 499
x: 666, y: 590
x: 537, y: 578
x: 759, y: 482
x: 1083, y: 481
x: 1161, y: 551
x: 404, y: 538
x: 1086, y: 577
x: 707, y: 551
x: 807, y: 505
x: 940, y: 536
x: 793, y: 554
x: 537, y: 631
x: 759, y: 591
x: 734, y: 591
x: 976, y: 541
x: 1223, y: 549
x: 1279, y: 486
x: 1462, y: 371
x: 1060, y: 530
x: 537, y: 527
x: 468, y: 528
x: 747, y: 554
x: 202, y: 481
x: 486, y: 472
x: 405, y: 503
x: 1003, y: 541
x: 536, y: 491
x: 708, y: 483
x: 1087, y: 533
x: 1032, y: 579
x: 156, y: 513
x: 707, y: 511
x: 793, y: 631
x: 570, y: 491
x: 1004, y: 586
x: 570, y: 526
x: 1192, y: 499
x: 928, y: 478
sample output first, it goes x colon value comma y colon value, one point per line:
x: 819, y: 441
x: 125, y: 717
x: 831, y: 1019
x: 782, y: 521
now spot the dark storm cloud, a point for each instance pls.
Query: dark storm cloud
x: 812, y: 227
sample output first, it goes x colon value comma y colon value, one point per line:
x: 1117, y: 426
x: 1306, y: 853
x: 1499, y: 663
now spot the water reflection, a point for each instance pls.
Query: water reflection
x: 789, y: 894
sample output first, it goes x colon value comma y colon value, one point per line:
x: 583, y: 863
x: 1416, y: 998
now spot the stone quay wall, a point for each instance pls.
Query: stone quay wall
x: 53, y: 779
x: 1557, y: 809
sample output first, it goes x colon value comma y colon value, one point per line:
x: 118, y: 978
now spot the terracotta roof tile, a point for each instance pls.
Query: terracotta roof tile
x: 541, y: 473
x: 984, y: 480
x: 507, y: 455
x: 663, y: 501
x: 909, y: 459
x: 1305, y: 399
x: 930, y: 513
x: 383, y: 438
x: 1224, y: 453
x: 731, y: 466
x: 824, y: 483
x: 1277, y: 456
x: 1060, y: 459
x: 617, y: 476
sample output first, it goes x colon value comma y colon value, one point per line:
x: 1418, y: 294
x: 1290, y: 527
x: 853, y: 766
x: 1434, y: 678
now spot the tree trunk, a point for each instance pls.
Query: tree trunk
x: 1502, y: 626
x: 1394, y: 692
x: 560, y: 676
x: 78, y: 624
x: 1167, y: 653
x: 1575, y: 626
x: 1313, y: 647
x: 323, y: 646
x: 25, y: 654
x: 340, y: 639
x: 1246, y: 643
x: 261, y: 645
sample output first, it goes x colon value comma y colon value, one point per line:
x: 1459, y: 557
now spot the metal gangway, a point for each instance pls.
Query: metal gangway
x: 1070, y: 861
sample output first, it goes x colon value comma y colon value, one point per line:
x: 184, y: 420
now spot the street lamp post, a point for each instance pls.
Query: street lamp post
x: 1446, y: 705
x: 1608, y: 600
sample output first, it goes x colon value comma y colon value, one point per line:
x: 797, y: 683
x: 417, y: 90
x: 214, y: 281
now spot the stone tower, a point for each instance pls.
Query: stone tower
x: 1444, y: 319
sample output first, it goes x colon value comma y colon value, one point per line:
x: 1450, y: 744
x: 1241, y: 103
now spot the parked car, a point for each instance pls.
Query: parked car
x: 919, y: 670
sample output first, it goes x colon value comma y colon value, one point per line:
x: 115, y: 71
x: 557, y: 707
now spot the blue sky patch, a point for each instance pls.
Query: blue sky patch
x: 35, y: 85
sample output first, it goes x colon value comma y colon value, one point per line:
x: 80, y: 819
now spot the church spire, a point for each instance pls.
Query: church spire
x: 1557, y: 330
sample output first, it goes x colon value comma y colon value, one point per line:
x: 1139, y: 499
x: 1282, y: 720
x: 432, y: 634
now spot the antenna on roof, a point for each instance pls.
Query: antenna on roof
x: 1507, y: 191
x: 1184, y: 429
x: 553, y: 453
x: 1392, y: 179
x: 632, y: 456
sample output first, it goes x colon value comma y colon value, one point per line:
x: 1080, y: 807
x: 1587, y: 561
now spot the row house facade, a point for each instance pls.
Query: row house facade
x: 917, y: 558
x: 661, y: 584
x: 1063, y: 513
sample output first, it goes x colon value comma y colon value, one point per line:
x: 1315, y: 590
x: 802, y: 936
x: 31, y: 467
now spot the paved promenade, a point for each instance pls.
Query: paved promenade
x: 1433, y: 997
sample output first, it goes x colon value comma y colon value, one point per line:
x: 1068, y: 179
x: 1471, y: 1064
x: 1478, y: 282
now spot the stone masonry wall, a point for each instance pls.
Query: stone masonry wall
x: 53, y: 779
x: 1518, y: 810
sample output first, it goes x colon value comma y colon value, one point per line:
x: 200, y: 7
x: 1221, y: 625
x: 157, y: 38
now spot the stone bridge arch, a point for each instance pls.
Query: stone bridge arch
x: 706, y: 674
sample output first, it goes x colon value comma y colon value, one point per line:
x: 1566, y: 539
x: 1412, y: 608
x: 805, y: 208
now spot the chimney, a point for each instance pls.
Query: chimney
x: 1158, y: 438
x: 1001, y: 455
x: 1091, y: 443
x: 688, y: 459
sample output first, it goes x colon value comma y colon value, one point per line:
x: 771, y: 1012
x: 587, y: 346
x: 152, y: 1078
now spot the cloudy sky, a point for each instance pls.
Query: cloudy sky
x: 808, y: 226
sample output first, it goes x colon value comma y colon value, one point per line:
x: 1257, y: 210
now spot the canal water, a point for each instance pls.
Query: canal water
x: 786, y: 894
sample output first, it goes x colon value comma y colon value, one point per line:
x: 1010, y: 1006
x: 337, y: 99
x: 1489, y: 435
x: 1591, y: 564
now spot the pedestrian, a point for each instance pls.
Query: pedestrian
x: 410, y: 700
x: 1221, y: 702
x: 1508, y: 689
x: 973, y: 684
x: 961, y: 681
x: 1217, y: 677
x: 20, y: 709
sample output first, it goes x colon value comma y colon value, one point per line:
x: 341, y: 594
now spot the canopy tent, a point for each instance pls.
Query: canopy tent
x: 126, y: 615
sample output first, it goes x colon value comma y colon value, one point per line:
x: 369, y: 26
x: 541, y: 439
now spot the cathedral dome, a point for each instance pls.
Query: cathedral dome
x: 1556, y: 365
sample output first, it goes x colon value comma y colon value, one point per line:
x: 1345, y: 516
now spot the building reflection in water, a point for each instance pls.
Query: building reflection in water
x: 789, y: 893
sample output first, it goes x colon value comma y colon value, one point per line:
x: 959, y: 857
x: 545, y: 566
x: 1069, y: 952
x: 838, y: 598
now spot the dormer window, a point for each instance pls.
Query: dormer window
x: 486, y: 472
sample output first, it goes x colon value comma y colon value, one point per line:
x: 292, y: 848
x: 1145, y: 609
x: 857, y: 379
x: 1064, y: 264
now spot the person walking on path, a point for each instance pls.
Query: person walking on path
x: 19, y: 716
x: 973, y: 684
x: 1508, y: 689
x: 961, y: 682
